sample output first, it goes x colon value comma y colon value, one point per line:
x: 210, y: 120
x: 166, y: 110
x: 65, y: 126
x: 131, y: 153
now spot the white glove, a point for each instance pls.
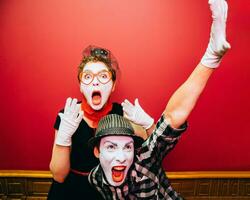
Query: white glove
x: 136, y: 114
x: 70, y: 121
x: 218, y: 45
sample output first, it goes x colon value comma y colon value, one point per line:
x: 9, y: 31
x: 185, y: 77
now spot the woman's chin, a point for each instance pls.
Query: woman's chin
x: 96, y: 107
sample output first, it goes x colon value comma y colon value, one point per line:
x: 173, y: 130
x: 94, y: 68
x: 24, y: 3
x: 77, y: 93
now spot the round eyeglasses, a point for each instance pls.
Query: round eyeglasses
x: 103, y: 77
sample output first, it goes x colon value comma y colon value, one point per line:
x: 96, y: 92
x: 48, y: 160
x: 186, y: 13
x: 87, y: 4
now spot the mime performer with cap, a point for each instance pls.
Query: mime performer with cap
x: 131, y: 168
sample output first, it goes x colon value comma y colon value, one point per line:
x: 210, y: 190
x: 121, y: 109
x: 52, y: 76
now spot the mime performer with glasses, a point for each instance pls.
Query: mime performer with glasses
x: 72, y: 159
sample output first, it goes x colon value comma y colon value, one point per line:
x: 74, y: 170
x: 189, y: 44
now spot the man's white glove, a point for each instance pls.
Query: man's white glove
x: 70, y: 121
x: 218, y: 45
x: 136, y: 114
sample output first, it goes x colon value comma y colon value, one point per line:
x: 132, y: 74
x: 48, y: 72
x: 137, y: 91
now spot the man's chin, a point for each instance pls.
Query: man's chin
x: 115, y: 184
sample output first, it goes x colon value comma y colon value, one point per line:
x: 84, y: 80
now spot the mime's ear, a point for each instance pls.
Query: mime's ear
x: 96, y: 152
x: 113, y: 88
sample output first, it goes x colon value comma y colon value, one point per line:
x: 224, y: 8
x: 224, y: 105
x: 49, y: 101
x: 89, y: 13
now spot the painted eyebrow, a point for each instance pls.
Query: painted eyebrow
x: 103, y: 70
x: 108, y: 141
x: 129, y: 143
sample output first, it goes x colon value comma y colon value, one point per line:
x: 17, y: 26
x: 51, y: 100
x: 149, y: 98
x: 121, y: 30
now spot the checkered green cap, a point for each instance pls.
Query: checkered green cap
x: 114, y: 125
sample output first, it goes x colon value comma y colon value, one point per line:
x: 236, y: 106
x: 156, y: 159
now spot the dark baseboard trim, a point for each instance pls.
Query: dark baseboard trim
x: 202, y: 185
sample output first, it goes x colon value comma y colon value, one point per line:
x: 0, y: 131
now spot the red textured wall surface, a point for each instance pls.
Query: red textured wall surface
x: 158, y: 43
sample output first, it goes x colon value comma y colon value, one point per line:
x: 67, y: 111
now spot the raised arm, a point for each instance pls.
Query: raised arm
x: 70, y: 120
x: 184, y: 99
x: 60, y: 161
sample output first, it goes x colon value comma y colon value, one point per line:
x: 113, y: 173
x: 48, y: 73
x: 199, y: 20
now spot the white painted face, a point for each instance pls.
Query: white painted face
x: 116, y: 156
x: 96, y: 93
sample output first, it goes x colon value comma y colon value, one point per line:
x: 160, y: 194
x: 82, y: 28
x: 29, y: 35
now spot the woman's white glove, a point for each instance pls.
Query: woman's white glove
x: 70, y: 121
x: 136, y: 114
x: 218, y: 45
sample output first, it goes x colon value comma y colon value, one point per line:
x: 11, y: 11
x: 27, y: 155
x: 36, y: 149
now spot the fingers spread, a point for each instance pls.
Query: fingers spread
x: 67, y: 105
x: 128, y: 108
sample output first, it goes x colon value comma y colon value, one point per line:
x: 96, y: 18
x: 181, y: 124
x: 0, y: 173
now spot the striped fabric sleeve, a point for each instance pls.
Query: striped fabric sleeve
x: 159, y: 144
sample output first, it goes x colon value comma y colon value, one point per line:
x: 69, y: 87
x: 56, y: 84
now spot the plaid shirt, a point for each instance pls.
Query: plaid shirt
x: 146, y: 178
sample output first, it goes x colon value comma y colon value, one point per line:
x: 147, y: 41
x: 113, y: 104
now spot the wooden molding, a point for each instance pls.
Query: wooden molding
x: 208, y: 174
x: 193, y: 185
x: 25, y: 173
x: 171, y: 175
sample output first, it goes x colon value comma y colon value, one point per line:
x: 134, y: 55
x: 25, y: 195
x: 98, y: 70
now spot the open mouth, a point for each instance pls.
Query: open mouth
x: 96, y: 97
x: 118, y: 173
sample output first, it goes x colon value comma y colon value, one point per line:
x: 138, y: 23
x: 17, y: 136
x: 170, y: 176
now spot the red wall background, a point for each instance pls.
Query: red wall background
x: 157, y: 42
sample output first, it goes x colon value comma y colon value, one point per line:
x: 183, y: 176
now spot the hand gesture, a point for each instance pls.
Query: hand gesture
x: 136, y: 114
x: 218, y: 44
x: 70, y: 121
